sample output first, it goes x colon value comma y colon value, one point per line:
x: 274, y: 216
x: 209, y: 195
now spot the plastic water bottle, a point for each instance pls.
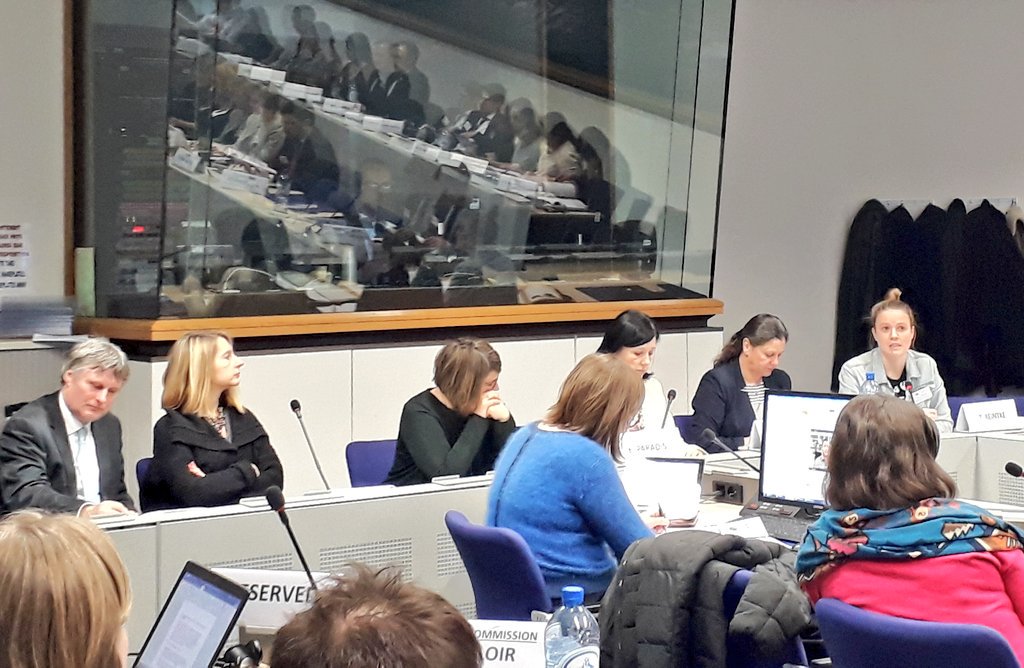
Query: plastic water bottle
x: 284, y: 188
x: 572, y: 637
x: 869, y: 386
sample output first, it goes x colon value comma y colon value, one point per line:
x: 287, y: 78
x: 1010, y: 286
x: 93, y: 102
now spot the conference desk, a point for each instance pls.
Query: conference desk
x: 379, y: 526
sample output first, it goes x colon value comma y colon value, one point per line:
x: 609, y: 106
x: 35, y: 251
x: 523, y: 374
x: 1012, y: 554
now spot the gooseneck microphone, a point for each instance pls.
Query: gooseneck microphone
x: 1014, y: 469
x: 709, y: 436
x: 275, y: 497
x: 668, y: 406
x: 297, y: 409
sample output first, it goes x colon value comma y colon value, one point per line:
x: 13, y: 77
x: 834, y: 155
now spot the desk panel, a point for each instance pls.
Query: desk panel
x: 137, y: 546
x: 378, y: 526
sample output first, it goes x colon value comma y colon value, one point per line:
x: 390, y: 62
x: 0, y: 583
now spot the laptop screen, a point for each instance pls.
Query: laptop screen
x: 796, y: 429
x: 194, y: 622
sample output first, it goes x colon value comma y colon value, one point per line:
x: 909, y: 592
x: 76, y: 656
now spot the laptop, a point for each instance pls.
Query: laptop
x: 795, y: 431
x: 194, y: 622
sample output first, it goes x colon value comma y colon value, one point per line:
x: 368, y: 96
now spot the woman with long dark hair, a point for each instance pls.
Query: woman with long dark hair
x: 730, y: 397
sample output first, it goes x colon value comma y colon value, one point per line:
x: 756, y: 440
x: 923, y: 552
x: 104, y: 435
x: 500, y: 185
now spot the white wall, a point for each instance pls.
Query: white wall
x: 32, y: 137
x: 834, y: 102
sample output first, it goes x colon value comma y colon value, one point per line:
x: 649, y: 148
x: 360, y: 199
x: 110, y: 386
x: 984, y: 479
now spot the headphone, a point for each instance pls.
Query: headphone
x: 248, y: 655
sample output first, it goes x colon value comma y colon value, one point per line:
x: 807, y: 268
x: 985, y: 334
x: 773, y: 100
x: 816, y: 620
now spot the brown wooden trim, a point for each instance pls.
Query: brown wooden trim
x: 69, y: 146
x: 470, y: 316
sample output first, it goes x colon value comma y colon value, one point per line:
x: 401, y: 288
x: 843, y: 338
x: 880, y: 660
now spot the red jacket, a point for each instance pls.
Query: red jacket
x: 984, y: 588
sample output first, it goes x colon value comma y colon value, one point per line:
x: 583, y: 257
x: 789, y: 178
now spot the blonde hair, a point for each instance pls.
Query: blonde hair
x: 460, y: 369
x: 188, y: 380
x: 64, y: 592
x: 892, y: 301
x: 598, y: 399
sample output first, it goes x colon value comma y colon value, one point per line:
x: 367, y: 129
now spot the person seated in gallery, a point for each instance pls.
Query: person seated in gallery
x: 263, y: 134
x: 306, y: 158
x: 487, y: 132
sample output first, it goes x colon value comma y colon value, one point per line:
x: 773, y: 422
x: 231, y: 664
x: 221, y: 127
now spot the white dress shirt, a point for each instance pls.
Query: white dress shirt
x: 83, y: 450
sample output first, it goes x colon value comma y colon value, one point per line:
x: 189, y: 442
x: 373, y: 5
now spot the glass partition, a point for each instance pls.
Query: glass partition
x: 246, y: 157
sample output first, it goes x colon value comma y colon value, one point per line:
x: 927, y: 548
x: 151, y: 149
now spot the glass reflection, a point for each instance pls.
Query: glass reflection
x: 333, y: 156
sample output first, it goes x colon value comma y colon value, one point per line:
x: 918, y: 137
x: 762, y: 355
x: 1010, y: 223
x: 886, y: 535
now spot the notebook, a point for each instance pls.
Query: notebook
x: 194, y: 622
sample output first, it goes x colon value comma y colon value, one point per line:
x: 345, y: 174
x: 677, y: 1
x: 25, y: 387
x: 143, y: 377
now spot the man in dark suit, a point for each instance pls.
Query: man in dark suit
x: 62, y: 452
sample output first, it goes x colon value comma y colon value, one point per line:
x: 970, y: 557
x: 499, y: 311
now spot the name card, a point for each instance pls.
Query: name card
x: 274, y: 596
x: 507, y: 644
x: 333, y: 105
x: 233, y: 179
x: 187, y: 160
x: 293, y: 91
x: 314, y: 94
x: 259, y: 73
x: 988, y: 416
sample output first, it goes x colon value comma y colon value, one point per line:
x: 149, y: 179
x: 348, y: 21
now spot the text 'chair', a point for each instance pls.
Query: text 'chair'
x: 369, y: 462
x: 738, y: 657
x: 507, y: 584
x: 855, y: 637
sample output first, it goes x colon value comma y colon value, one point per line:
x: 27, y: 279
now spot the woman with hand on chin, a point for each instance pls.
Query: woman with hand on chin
x: 730, y: 397
x: 898, y: 370
x: 459, y: 426
x: 208, y: 450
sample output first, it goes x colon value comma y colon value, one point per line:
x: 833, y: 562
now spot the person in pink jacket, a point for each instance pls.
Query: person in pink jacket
x: 896, y: 541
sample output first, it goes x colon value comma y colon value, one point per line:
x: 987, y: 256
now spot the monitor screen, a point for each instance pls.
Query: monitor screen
x: 796, y: 429
x: 194, y: 622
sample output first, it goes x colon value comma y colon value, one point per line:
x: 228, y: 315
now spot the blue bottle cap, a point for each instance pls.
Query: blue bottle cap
x: 871, y: 375
x: 572, y: 596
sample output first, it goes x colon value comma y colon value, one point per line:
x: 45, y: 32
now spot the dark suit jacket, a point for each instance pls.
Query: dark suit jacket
x: 719, y: 404
x: 180, y: 438
x: 37, y: 469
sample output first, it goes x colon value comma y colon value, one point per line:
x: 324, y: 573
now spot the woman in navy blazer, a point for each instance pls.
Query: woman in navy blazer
x: 730, y: 395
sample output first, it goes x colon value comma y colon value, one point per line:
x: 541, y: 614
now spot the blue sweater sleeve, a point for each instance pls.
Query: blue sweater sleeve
x: 606, y: 508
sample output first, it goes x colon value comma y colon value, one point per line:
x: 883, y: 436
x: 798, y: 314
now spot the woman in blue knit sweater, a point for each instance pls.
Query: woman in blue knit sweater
x: 555, y: 482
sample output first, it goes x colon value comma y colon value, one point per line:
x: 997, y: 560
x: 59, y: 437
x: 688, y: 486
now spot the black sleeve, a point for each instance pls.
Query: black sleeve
x: 171, y: 458
x: 271, y: 471
x: 709, y: 408
x: 423, y: 436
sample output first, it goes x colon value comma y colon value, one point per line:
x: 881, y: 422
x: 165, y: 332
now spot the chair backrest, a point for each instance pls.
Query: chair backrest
x: 683, y: 425
x: 507, y: 583
x: 369, y: 462
x: 740, y: 657
x: 141, y: 469
x: 855, y: 637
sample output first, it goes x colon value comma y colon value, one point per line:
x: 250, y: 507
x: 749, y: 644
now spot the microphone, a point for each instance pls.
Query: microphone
x: 297, y: 409
x: 909, y: 387
x: 668, y: 406
x: 1014, y: 469
x: 709, y: 436
x: 275, y: 497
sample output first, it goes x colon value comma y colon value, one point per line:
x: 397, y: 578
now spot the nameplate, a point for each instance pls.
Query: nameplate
x: 293, y: 91
x: 506, y: 643
x: 233, y: 179
x: 474, y: 165
x: 186, y: 160
x: 314, y: 94
x: 274, y: 596
x: 333, y: 105
x: 260, y: 73
x: 516, y: 184
x: 988, y: 416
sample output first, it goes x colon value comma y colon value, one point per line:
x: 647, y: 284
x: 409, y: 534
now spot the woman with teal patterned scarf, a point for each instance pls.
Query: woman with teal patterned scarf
x: 896, y: 541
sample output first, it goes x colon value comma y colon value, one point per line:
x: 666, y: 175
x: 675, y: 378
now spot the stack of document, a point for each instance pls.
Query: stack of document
x: 25, y: 316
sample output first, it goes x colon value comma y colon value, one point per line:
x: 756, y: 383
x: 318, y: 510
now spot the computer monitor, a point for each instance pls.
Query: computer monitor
x: 797, y: 427
x: 194, y: 622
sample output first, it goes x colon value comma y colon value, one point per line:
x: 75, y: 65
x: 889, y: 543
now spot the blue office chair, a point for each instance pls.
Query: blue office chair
x: 683, y: 425
x: 142, y: 469
x: 739, y: 657
x: 507, y: 583
x: 369, y: 462
x: 855, y: 638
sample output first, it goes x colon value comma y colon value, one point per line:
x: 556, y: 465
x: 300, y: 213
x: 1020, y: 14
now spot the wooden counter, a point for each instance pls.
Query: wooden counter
x: 163, y: 330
